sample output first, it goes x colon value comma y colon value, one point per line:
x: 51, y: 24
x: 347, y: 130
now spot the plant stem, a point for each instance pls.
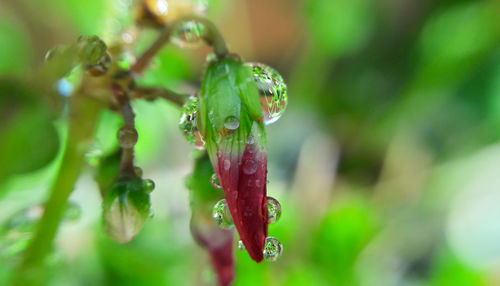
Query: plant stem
x: 82, y: 122
x: 212, y: 37
x: 143, y: 61
x: 151, y: 93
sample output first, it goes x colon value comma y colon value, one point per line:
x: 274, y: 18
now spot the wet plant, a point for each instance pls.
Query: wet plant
x: 226, y: 119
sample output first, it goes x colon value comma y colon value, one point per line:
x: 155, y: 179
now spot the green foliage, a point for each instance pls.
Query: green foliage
x: 28, y: 138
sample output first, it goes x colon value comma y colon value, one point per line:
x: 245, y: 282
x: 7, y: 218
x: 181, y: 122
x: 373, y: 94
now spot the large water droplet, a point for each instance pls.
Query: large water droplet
x: 272, y: 91
x: 188, y: 123
x: 272, y: 249
x: 249, y: 167
x: 215, y: 181
x: 241, y: 246
x: 189, y: 33
x: 273, y: 210
x: 93, y: 54
x: 221, y: 215
x: 231, y: 123
x: 127, y: 137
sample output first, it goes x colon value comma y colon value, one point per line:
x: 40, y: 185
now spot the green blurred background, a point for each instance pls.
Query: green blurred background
x: 386, y: 161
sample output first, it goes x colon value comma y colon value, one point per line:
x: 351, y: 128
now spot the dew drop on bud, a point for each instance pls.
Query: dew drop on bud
x: 188, y: 124
x: 215, y: 181
x: 241, y: 246
x: 127, y: 137
x: 249, y: 167
x: 148, y: 185
x: 189, y: 33
x: 272, y: 91
x: 227, y: 164
x: 272, y: 249
x: 222, y: 216
x: 273, y: 210
x: 231, y: 123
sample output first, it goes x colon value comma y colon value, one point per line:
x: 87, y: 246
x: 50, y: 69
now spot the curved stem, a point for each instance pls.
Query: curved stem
x: 212, y: 37
x: 83, y: 119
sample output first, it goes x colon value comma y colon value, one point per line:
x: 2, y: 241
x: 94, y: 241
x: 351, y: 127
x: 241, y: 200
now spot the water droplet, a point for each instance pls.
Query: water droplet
x: 189, y: 33
x: 241, y: 246
x: 231, y: 123
x: 73, y: 212
x: 227, y: 164
x: 149, y: 185
x: 215, y: 181
x: 249, y: 167
x: 273, y: 210
x: 52, y: 53
x: 127, y: 137
x: 93, y: 54
x: 272, y: 91
x: 221, y: 215
x: 138, y: 171
x: 272, y: 249
x: 211, y: 58
x: 188, y: 123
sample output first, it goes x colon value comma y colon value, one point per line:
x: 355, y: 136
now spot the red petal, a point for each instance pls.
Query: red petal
x: 244, y: 183
x: 219, y: 243
x: 222, y: 260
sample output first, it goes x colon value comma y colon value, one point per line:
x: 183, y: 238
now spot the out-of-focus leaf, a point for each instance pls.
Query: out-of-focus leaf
x: 14, y: 53
x: 449, y: 270
x: 340, y: 26
x: 341, y: 236
x: 28, y: 138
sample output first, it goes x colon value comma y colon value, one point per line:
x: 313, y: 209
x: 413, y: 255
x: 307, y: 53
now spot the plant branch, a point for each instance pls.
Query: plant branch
x: 212, y: 37
x: 152, y: 93
x: 83, y: 119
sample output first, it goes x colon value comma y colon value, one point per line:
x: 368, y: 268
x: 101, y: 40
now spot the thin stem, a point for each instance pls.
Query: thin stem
x: 212, y: 37
x: 127, y: 158
x: 151, y: 93
x: 83, y: 119
x: 145, y: 59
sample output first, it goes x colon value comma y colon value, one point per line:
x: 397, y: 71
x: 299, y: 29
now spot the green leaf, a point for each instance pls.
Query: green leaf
x: 28, y: 138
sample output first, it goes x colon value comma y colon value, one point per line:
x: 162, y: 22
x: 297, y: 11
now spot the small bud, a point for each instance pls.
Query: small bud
x: 126, y: 206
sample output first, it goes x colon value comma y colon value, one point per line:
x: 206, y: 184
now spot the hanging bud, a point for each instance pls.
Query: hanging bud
x: 218, y: 242
x: 232, y: 124
x: 126, y: 207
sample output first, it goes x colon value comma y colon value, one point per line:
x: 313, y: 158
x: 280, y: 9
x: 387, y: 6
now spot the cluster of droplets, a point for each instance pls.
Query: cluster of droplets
x: 223, y: 218
x: 189, y: 125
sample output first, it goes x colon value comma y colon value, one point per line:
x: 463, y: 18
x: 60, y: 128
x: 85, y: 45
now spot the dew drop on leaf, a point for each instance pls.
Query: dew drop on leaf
x: 272, y: 91
x: 188, y: 124
x: 222, y: 216
x: 273, y: 210
x: 272, y: 249
x: 215, y: 181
